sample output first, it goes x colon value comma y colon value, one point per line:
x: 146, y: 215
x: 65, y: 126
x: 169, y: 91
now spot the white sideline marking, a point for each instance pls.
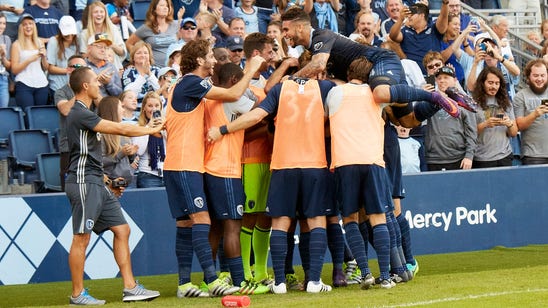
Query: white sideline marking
x: 454, y: 299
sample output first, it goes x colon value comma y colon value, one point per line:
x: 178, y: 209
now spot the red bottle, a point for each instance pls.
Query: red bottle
x: 236, y: 301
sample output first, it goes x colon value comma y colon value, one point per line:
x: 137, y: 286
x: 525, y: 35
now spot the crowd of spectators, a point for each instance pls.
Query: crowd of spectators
x: 38, y: 38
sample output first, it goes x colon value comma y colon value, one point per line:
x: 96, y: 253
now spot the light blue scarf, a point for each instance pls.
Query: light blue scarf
x: 325, y: 14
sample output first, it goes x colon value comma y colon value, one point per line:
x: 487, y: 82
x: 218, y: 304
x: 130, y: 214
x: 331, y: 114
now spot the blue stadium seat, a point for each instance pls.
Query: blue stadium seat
x: 48, y: 172
x: 139, y: 9
x: 11, y: 118
x: 43, y: 117
x: 26, y: 144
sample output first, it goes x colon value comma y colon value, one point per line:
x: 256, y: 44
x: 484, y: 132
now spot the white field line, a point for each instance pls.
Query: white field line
x: 454, y: 299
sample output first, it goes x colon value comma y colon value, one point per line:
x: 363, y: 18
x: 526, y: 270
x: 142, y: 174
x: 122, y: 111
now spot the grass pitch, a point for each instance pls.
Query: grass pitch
x: 500, y: 277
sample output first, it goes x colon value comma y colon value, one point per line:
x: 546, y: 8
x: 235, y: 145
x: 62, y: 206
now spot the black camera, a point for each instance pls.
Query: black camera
x: 156, y: 114
x: 117, y: 183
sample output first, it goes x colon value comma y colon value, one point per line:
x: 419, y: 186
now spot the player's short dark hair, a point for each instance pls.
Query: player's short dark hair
x: 78, y: 77
x: 295, y: 14
x: 256, y: 40
x: 359, y: 69
x: 229, y: 70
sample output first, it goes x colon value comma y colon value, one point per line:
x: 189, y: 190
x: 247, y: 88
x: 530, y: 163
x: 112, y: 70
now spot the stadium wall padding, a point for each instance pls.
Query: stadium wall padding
x: 449, y: 211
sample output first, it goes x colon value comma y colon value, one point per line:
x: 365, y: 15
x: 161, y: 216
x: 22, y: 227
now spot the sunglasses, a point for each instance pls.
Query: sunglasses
x: 76, y: 65
x: 237, y: 50
x: 189, y: 28
x: 433, y: 66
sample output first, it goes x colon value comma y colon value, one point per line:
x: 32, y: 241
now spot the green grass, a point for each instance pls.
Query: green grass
x: 500, y: 277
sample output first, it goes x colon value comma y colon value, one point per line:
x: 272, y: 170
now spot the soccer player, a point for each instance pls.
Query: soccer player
x: 299, y: 167
x: 184, y: 163
x: 91, y: 193
x: 357, y: 138
x: 387, y: 78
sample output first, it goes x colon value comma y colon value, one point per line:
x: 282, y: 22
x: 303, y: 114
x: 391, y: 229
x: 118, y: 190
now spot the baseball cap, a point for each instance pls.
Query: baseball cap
x: 25, y: 16
x: 98, y: 38
x: 165, y: 70
x: 447, y: 70
x: 234, y: 42
x: 188, y: 19
x: 172, y: 49
x: 483, y: 37
x: 67, y: 25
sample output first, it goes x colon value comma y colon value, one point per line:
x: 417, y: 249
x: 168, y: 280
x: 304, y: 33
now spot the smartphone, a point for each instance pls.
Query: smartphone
x: 156, y: 114
x: 500, y: 116
x: 544, y: 101
x: 431, y: 79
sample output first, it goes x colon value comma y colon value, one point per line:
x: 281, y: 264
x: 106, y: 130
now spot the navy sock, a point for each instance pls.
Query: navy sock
x: 184, y: 253
x: 425, y: 110
x: 278, y: 251
x: 401, y: 93
x: 364, y: 230
x: 357, y: 244
x: 318, y: 245
x: 405, y: 239
x: 304, y: 243
x: 236, y: 270
x: 335, y: 242
x: 381, y: 242
x: 398, y: 239
x: 200, y: 242
x: 289, y: 256
x: 395, y: 261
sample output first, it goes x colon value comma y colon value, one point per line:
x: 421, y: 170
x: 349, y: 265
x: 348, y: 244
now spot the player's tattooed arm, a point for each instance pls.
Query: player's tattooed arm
x: 317, y: 64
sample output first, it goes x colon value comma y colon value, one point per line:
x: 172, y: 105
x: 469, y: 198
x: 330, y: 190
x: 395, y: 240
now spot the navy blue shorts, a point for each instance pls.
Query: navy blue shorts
x: 392, y: 158
x: 185, y: 192
x: 225, y: 196
x: 298, y: 191
x: 331, y: 202
x: 389, y: 71
x: 364, y: 186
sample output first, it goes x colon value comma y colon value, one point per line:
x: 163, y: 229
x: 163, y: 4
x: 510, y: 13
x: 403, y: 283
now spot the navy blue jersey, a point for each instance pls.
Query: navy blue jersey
x: 189, y: 91
x: 343, y: 51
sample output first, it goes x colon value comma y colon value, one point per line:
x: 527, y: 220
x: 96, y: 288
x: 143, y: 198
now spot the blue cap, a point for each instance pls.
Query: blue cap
x: 25, y: 16
x: 188, y: 19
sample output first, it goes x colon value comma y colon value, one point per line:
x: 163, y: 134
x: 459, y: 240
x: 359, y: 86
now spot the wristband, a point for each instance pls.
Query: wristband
x: 223, y: 129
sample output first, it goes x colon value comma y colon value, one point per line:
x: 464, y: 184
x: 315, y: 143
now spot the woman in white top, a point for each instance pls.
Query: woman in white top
x: 98, y: 22
x: 28, y: 64
x: 151, y: 149
x: 60, y: 48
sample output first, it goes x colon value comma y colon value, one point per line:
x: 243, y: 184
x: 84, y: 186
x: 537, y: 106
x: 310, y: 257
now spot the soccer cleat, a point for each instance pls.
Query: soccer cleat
x: 190, y: 290
x: 387, y: 284
x: 219, y: 287
x: 293, y: 282
x: 462, y: 99
x: 139, y: 293
x: 278, y: 289
x: 317, y: 287
x: 226, y: 277
x: 409, y: 274
x: 249, y: 287
x: 267, y: 281
x: 396, y: 278
x: 85, y: 299
x: 446, y: 103
x: 353, y: 273
x: 339, y: 280
x: 367, y: 281
x: 413, y: 268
